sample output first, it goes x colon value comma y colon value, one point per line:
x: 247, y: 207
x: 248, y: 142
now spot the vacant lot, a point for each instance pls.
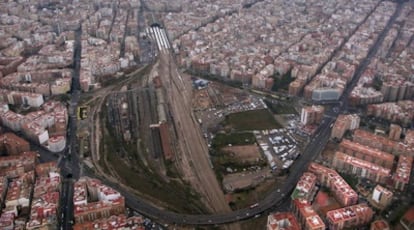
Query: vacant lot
x: 280, y: 108
x: 201, y: 99
x: 252, y: 120
x: 243, y: 153
x: 244, y: 180
x: 221, y: 139
x: 328, y: 153
x: 248, y: 197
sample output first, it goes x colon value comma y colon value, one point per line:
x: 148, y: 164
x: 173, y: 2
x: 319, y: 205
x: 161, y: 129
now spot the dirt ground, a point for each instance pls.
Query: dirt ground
x: 201, y: 99
x: 244, y: 180
x: 328, y: 153
x: 329, y: 204
x: 247, y: 198
x: 243, y: 153
x: 228, y: 94
x: 281, y: 119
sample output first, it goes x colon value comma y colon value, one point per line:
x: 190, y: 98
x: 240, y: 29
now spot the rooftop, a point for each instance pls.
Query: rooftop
x: 284, y: 220
x: 335, y: 179
x: 371, y: 167
x: 403, y: 170
x: 375, y: 153
x: 349, y: 213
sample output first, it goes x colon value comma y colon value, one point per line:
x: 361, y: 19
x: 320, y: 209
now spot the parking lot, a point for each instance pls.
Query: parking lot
x: 280, y: 147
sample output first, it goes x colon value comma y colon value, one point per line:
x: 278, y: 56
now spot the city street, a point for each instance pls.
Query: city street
x: 71, y: 168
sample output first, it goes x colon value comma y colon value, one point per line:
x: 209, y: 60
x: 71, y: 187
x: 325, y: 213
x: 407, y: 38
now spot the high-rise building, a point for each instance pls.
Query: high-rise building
x: 296, y: 86
x: 113, y: 222
x: 311, y: 114
x: 44, y: 209
x: 402, y: 173
x: 108, y: 202
x: 366, y: 153
x: 361, y: 168
x: 349, y: 217
x: 307, y: 216
x: 395, y: 132
x: 344, y: 123
x: 305, y: 188
x: 330, y: 178
x: 381, y: 143
x: 282, y: 221
x: 381, y: 197
x: 409, y: 137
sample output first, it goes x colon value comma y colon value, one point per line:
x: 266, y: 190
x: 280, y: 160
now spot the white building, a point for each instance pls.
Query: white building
x: 33, y: 99
x: 56, y: 143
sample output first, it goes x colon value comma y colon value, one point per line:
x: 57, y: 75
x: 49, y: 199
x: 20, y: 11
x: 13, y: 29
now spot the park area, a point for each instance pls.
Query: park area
x: 252, y: 120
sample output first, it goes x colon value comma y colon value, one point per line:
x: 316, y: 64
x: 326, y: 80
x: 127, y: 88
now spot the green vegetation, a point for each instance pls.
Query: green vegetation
x: 254, y: 223
x: 172, y: 171
x: 325, y: 190
x: 352, y: 180
x: 398, y: 213
x: 22, y: 109
x: 137, y: 176
x: 252, y: 120
x: 248, y: 197
x: 282, y: 82
x: 280, y: 109
x: 222, y: 139
x: 223, y: 161
x: 242, y: 199
x: 207, y: 228
x: 64, y: 98
x: 377, y: 83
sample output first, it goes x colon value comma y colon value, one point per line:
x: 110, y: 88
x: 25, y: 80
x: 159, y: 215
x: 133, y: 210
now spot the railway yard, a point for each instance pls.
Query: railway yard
x: 208, y: 114
x: 147, y: 132
x: 220, y: 147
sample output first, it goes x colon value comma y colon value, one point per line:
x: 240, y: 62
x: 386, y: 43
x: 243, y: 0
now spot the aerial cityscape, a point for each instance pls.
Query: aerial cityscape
x: 207, y: 114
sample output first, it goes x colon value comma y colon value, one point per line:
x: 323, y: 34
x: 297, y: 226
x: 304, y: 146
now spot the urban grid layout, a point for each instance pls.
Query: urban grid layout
x: 206, y: 114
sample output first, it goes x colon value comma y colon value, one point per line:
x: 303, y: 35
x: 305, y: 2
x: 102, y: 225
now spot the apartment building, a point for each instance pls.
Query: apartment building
x: 311, y: 114
x: 282, y: 221
x: 330, y: 178
x: 365, y: 169
x: 349, y: 217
